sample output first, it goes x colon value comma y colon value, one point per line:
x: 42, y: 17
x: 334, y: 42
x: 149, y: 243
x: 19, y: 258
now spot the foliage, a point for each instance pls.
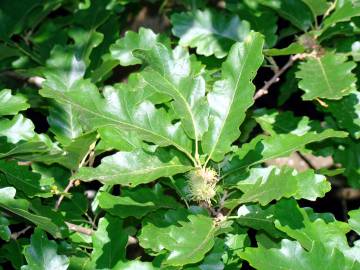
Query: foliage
x: 141, y: 135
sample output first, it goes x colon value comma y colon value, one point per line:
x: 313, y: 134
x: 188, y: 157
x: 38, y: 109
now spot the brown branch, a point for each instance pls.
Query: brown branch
x: 306, y: 160
x: 265, y: 89
x: 88, y: 231
x: 73, y: 181
x: 62, y: 196
x: 36, y: 81
x: 79, y: 229
x: 15, y: 235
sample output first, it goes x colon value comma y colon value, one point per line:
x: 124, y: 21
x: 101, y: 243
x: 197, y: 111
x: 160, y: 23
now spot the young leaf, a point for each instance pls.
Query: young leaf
x: 328, y: 76
x: 134, y: 168
x: 11, y: 104
x: 136, y: 202
x: 232, y: 96
x: 175, y: 74
x: 186, y: 244
x: 266, y: 184
x: 208, y: 31
x: 123, y: 49
x: 42, y: 254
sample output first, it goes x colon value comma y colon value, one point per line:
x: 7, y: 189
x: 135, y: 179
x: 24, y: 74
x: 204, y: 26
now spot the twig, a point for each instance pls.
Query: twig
x: 71, y: 182
x: 79, y: 229
x: 265, y: 89
x: 62, y: 196
x: 36, y: 81
x: 76, y: 228
x: 306, y: 160
x: 16, y: 235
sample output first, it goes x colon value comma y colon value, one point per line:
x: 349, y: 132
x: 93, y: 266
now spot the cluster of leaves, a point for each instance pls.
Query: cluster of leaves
x: 125, y: 149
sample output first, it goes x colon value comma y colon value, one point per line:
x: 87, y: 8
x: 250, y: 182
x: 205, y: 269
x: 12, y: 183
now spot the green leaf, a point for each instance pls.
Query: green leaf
x: 347, y: 155
x: 29, y: 150
x: 258, y: 218
x: 342, y: 14
x: 123, y: 109
x: 263, y: 148
x: 261, y: 19
x: 173, y: 73
x: 308, y: 228
x: 14, y: 16
x: 11, y: 104
x: 328, y: 76
x: 109, y: 243
x: 293, y: 48
x: 275, y: 122
x: 354, y: 221
x: 5, y: 232
x: 20, y: 207
x: 134, y: 265
x: 232, y: 96
x: 292, y: 256
x: 17, y: 129
x: 136, y: 202
x: 264, y: 185
x: 212, y: 260
x: 318, y: 7
x: 187, y: 243
x: 64, y: 68
x: 134, y: 168
x: 208, y: 31
x: 347, y: 113
x: 12, y: 252
x: 23, y: 179
x: 123, y: 49
x: 73, y: 152
x: 294, y: 11
x: 42, y: 254
x: 64, y: 122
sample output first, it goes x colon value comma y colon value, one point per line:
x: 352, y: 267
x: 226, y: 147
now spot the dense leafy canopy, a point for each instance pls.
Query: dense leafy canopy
x: 146, y: 135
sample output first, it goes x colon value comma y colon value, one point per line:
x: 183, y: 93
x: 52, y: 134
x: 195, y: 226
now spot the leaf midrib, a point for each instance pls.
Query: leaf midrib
x: 171, y: 142
x: 138, y: 172
x: 228, y: 112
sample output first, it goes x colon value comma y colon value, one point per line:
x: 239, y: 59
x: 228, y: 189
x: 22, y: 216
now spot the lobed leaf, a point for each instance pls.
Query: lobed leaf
x: 186, y: 244
x: 328, y: 76
x: 208, y: 31
x: 264, y: 185
x: 232, y: 96
x: 134, y: 168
